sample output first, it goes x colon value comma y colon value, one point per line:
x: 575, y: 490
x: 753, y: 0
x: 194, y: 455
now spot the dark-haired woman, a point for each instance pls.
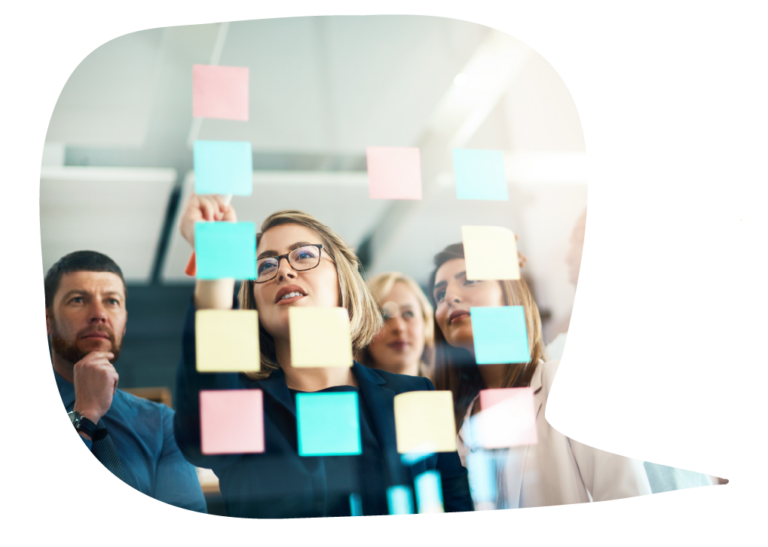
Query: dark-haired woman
x: 557, y: 470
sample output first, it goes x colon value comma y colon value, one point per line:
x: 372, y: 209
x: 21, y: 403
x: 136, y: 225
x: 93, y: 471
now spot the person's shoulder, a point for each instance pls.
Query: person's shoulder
x: 143, y: 406
x: 401, y: 382
x: 548, y: 370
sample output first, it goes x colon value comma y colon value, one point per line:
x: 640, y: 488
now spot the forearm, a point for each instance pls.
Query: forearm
x: 214, y: 294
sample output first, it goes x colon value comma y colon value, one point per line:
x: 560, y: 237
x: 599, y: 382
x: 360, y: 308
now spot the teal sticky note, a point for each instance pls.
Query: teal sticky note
x: 223, y: 167
x: 400, y: 500
x: 429, y: 492
x: 355, y: 505
x: 225, y: 249
x: 328, y: 424
x: 479, y: 174
x: 481, y: 469
x: 500, y: 335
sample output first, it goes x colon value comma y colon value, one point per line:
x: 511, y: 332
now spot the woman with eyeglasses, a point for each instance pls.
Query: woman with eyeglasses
x: 554, y: 471
x: 301, y: 263
x: 406, y: 342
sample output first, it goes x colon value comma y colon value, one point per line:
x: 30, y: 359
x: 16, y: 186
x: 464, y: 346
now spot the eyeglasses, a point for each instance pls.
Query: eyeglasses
x: 301, y: 259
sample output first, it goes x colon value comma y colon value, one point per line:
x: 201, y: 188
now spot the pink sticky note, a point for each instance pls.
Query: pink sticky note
x: 220, y: 92
x: 231, y: 421
x: 394, y: 173
x: 506, y: 418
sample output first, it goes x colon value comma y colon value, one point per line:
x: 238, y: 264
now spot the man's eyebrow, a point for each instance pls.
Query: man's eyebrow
x: 74, y: 292
x: 292, y: 247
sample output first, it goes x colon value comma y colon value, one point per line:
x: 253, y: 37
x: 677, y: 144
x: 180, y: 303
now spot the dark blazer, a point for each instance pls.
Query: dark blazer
x: 279, y: 483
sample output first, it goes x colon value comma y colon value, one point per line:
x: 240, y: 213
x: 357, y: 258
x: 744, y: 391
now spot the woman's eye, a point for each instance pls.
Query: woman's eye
x: 265, y: 266
x: 408, y: 315
x: 439, y: 295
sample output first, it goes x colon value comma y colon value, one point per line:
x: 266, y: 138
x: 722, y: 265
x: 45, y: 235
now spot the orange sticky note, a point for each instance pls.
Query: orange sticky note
x: 506, y: 418
x: 220, y: 92
x: 231, y: 421
x: 424, y: 422
x: 394, y: 172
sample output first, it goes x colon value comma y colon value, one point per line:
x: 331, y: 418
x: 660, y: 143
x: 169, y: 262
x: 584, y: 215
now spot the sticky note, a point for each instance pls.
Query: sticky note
x: 400, y: 500
x: 225, y: 250
x: 394, y: 172
x: 320, y: 337
x: 424, y: 422
x: 328, y: 424
x: 355, y: 505
x: 220, y: 92
x: 481, y: 470
x: 223, y: 167
x: 429, y: 492
x: 490, y: 252
x: 231, y: 421
x: 227, y: 340
x: 480, y: 174
x: 506, y: 418
x: 500, y: 335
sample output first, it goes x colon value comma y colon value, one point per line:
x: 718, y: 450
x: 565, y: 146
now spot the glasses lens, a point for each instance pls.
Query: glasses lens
x: 305, y: 258
x: 266, y: 268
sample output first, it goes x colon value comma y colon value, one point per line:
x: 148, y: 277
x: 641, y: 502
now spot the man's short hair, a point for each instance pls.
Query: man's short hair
x: 79, y: 261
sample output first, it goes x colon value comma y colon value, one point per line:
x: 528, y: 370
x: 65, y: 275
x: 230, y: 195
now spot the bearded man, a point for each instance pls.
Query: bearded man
x: 86, y: 317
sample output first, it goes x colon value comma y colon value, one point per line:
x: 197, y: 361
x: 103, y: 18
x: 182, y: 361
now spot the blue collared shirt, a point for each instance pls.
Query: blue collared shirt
x: 142, y: 432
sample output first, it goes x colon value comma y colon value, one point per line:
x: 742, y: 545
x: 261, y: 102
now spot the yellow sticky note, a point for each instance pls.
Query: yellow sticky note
x: 227, y: 340
x: 424, y: 422
x: 320, y: 337
x: 490, y: 253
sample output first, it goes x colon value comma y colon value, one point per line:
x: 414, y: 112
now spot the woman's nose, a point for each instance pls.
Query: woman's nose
x: 285, y: 269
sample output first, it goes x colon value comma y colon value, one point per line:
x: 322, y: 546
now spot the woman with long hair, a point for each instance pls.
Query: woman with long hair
x: 405, y: 344
x: 557, y: 470
x: 301, y: 263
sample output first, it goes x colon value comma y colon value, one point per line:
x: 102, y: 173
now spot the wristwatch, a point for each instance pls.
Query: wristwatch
x: 83, y: 424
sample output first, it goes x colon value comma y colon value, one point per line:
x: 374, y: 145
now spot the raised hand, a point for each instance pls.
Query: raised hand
x: 95, y: 381
x: 204, y: 208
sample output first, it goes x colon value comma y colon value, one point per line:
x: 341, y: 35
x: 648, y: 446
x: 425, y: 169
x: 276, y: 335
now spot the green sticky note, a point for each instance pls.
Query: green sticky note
x: 225, y: 250
x: 480, y: 174
x: 328, y: 424
x: 500, y: 335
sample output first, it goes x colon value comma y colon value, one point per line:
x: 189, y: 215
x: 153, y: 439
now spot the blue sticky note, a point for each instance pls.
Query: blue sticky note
x: 225, y: 249
x: 480, y: 174
x: 481, y: 469
x: 500, y: 335
x: 223, y: 167
x: 429, y: 492
x: 399, y: 500
x: 328, y: 424
x: 355, y: 505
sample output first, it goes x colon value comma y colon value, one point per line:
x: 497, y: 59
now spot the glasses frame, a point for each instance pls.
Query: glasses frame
x: 285, y: 256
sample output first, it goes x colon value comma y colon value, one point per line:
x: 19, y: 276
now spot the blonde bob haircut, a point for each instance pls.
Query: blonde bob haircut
x: 456, y: 370
x: 364, y: 315
x: 380, y: 286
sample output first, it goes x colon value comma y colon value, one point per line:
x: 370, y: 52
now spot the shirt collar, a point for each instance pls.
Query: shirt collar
x: 66, y: 390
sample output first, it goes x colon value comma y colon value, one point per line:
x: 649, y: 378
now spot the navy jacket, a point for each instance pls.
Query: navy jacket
x: 279, y: 483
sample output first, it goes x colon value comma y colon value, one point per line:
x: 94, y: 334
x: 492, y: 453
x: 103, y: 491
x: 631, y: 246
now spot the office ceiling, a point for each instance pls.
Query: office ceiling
x: 321, y: 90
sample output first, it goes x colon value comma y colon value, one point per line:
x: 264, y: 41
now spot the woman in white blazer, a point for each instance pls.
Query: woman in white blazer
x: 554, y: 471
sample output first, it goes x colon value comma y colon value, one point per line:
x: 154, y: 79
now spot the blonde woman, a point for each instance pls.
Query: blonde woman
x: 406, y: 342
x: 557, y: 470
x: 301, y: 263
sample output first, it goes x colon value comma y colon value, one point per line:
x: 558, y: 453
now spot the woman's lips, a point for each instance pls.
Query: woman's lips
x: 398, y: 346
x: 286, y: 301
x: 459, y: 318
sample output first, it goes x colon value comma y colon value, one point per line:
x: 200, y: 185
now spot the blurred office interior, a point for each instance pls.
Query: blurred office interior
x: 117, y: 162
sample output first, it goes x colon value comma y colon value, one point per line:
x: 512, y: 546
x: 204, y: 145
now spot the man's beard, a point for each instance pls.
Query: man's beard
x: 69, y: 350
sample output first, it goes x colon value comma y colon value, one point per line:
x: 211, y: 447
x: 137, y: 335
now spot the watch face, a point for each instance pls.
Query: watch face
x: 75, y: 417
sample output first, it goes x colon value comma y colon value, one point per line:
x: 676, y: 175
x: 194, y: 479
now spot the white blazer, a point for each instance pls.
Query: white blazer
x: 557, y: 470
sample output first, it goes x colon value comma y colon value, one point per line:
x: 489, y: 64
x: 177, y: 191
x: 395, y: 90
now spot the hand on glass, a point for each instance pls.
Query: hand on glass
x: 204, y: 208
